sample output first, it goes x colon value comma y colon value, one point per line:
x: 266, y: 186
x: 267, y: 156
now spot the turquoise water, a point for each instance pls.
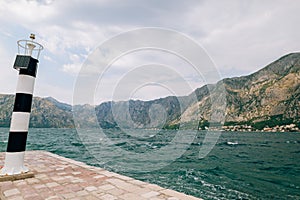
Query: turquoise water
x: 241, y: 165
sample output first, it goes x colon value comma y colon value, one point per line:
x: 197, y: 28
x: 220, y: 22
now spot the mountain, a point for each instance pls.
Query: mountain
x: 6, y: 102
x: 45, y: 112
x: 268, y: 97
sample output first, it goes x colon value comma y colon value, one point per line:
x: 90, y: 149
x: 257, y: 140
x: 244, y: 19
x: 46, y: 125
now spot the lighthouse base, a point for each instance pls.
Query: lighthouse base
x: 14, y: 164
x: 16, y: 177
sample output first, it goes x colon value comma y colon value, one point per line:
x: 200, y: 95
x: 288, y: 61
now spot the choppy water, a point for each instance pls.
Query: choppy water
x: 241, y: 165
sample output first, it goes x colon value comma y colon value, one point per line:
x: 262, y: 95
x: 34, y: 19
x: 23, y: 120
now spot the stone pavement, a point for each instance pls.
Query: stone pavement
x: 58, y: 178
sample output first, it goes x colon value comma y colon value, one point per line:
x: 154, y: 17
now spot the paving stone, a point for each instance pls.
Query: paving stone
x: 76, y: 173
x: 141, y: 191
x: 131, y: 196
x: 178, y: 195
x: 82, y: 193
x: 15, y: 198
x: 137, y: 182
x: 126, y: 178
x: 77, y: 180
x: 39, y: 186
x: 106, y: 187
x: 52, y: 184
x: 6, y: 185
x: 69, y: 195
x: 107, y: 173
x: 123, y: 185
x: 90, y: 188
x: 154, y: 187
x: 32, y: 180
x: 61, y: 173
x: 169, y: 192
x: 53, y: 198
x: 150, y: 194
x: 35, y: 198
x: 90, y: 197
x: 57, y: 178
x: 99, y: 176
x: 30, y: 196
x: 11, y: 192
x: 173, y: 198
x: 75, y: 187
x: 116, y: 191
x: 108, y: 197
x: 75, y: 198
x: 19, y: 182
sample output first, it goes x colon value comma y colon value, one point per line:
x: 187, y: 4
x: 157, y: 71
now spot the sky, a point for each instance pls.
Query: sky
x: 239, y: 36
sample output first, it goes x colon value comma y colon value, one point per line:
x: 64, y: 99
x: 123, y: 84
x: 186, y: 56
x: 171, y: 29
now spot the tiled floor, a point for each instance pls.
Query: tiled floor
x: 58, y: 178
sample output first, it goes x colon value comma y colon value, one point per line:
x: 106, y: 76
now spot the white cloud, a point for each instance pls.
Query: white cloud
x: 30, y: 12
x: 243, y: 35
x: 8, y: 75
x: 48, y: 58
x: 73, y: 68
x: 246, y: 35
x: 45, y: 90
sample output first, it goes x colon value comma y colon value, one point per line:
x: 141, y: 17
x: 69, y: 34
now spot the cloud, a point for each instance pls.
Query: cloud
x: 243, y: 35
x: 246, y: 35
x: 72, y: 68
x: 48, y: 58
x: 57, y: 26
x: 8, y: 79
x: 29, y: 12
x: 45, y: 90
x: 75, y: 65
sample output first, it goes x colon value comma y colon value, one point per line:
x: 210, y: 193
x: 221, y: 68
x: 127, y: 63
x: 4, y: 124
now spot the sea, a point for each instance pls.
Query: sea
x: 238, y: 165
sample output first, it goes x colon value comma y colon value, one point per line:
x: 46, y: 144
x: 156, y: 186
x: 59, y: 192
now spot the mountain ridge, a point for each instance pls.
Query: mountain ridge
x: 265, y: 98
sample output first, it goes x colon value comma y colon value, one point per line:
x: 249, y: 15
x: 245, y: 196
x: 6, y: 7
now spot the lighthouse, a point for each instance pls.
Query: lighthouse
x: 26, y: 63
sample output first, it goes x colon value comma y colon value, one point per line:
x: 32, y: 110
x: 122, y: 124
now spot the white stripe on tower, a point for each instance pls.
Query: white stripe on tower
x: 19, y: 122
x: 25, y: 84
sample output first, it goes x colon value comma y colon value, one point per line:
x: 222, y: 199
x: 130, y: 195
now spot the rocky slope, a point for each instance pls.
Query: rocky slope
x: 268, y: 97
x: 45, y: 112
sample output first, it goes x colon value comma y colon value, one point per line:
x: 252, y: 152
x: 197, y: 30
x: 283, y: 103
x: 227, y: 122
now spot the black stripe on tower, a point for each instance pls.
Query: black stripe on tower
x: 23, y: 102
x: 17, y: 141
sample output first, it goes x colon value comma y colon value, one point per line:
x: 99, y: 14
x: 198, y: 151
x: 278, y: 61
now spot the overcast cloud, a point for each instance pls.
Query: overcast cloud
x: 240, y: 36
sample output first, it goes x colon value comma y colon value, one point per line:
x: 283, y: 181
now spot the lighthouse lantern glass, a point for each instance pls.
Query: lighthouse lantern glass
x: 29, y: 48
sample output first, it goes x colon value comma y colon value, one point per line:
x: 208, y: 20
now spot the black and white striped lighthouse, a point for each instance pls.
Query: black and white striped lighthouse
x: 26, y: 63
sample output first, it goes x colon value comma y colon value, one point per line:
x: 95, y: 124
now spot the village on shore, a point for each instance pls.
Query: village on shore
x: 282, y: 128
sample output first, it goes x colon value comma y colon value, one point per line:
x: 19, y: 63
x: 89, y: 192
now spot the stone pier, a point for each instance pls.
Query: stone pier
x: 55, y: 177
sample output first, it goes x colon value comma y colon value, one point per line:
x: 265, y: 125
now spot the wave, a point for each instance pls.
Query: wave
x: 232, y: 143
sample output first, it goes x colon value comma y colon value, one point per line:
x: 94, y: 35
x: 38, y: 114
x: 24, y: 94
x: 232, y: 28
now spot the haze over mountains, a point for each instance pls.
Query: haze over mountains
x: 268, y: 97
